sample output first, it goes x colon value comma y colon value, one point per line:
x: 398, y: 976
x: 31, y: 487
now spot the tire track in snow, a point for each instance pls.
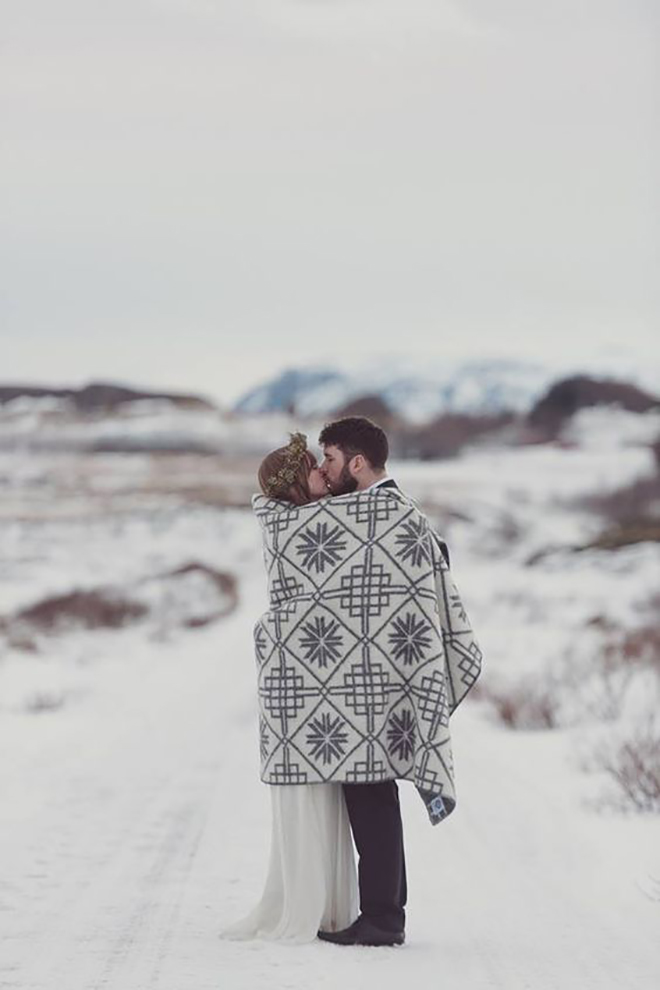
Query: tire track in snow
x: 139, y: 950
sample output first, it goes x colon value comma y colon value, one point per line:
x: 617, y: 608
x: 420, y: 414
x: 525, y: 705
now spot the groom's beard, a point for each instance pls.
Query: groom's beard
x: 345, y: 484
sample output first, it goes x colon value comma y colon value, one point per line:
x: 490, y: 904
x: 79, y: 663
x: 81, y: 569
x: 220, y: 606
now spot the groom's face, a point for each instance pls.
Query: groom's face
x: 335, y: 470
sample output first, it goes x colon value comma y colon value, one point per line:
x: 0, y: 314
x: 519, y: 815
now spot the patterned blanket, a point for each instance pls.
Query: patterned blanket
x: 365, y: 650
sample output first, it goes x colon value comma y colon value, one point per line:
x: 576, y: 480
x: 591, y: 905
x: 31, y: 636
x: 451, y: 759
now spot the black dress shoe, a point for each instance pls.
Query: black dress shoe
x: 363, y: 932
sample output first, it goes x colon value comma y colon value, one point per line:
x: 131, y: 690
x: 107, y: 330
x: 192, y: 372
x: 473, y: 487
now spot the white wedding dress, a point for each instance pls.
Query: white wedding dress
x: 312, y: 877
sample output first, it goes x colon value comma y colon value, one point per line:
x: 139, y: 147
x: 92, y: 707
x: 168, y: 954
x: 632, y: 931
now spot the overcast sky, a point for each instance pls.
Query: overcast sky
x: 196, y: 193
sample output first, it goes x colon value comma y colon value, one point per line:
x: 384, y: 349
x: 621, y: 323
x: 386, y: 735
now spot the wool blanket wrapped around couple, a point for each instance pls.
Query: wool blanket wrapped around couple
x: 365, y: 650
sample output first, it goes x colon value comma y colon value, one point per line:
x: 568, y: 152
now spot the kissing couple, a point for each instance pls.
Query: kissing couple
x: 363, y: 654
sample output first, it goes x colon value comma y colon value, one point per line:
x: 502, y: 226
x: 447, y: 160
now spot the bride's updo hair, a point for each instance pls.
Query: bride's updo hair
x: 284, y: 473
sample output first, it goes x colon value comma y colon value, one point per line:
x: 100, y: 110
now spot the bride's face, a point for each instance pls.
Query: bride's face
x: 317, y: 484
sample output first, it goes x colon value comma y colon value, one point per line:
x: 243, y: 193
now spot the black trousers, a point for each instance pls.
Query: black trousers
x: 375, y: 817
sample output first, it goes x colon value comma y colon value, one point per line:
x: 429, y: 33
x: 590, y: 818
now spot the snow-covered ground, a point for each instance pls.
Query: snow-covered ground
x: 133, y: 824
x: 47, y: 424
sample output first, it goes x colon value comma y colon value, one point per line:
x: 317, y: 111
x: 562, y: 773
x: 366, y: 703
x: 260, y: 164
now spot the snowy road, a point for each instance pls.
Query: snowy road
x: 135, y: 827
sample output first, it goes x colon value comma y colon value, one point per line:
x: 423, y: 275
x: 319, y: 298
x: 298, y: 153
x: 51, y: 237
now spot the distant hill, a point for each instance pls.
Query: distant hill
x: 416, y: 391
x: 419, y: 391
x: 566, y: 397
x: 100, y: 396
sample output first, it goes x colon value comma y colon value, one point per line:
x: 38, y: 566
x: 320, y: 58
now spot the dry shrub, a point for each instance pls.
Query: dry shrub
x: 650, y: 605
x: 602, y: 622
x: 582, y: 684
x: 631, y: 504
x: 500, y: 535
x: 528, y: 704
x: 625, y: 535
x: 224, y: 582
x: 596, y: 680
x: 632, y: 514
x: 107, y: 608
x: 508, y: 529
x: 43, y: 701
x: 96, y: 609
x: 655, y: 450
x: 20, y: 640
x: 192, y: 596
x: 634, y: 646
x: 634, y: 766
x: 599, y: 678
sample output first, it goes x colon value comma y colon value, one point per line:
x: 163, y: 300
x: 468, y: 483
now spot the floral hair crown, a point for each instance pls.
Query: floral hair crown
x: 287, y: 474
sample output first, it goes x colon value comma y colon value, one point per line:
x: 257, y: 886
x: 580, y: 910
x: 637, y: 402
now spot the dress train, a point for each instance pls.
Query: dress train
x: 312, y: 877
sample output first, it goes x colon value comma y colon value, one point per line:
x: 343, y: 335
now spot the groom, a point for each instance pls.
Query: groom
x: 355, y: 456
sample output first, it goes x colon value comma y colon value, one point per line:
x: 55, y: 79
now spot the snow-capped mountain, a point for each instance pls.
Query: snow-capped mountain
x: 419, y: 389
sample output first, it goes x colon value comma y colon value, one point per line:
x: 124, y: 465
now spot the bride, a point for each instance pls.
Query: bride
x: 312, y: 879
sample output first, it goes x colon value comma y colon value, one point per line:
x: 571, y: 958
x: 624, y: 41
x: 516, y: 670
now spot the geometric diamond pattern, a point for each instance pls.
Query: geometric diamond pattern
x: 366, y: 648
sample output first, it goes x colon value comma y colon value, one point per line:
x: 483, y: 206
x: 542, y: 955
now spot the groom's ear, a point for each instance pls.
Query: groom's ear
x: 357, y: 462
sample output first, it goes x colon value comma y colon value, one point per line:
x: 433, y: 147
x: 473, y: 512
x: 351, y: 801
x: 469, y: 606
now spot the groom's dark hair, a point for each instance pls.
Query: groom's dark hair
x: 357, y: 435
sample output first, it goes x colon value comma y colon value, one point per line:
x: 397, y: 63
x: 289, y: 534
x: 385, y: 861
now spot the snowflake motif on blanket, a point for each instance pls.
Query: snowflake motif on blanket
x: 410, y: 638
x: 401, y: 734
x: 321, y: 641
x: 321, y: 546
x: 413, y: 543
x: 326, y: 737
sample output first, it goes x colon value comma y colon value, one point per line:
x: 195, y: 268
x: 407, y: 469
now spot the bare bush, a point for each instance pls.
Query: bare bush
x: 592, y: 690
x: 590, y: 682
x: 44, y: 701
x: 596, y: 680
x: 634, y: 767
x: 625, y: 506
x: 190, y: 596
x: 634, y: 646
x: 625, y: 535
x: 20, y: 640
x: 650, y: 605
x: 655, y: 450
x: 96, y: 609
x: 527, y: 704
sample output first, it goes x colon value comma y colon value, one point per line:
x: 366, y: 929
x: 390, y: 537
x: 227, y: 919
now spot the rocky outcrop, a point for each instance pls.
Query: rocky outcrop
x: 100, y: 396
x: 567, y: 396
x: 374, y: 408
